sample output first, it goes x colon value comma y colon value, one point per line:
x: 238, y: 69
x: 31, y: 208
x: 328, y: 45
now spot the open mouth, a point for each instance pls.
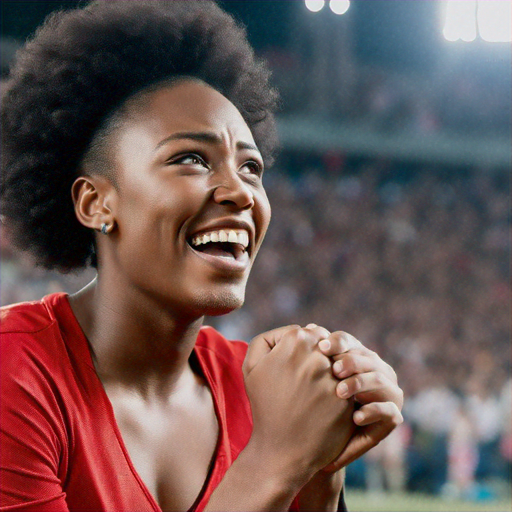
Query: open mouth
x: 229, y: 244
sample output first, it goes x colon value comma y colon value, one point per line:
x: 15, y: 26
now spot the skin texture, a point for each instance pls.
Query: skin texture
x: 152, y: 287
x: 370, y: 382
x: 184, y: 160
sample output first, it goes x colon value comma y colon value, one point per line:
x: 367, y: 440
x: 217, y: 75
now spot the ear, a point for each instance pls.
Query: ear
x: 94, y: 200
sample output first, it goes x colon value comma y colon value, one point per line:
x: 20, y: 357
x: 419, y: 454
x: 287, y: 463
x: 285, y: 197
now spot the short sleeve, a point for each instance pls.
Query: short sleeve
x: 32, y: 432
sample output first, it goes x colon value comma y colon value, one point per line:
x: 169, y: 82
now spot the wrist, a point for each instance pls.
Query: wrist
x: 284, y: 471
x: 251, y: 486
x: 322, y: 492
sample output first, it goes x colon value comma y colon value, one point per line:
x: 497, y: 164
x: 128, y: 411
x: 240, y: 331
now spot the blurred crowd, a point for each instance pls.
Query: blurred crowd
x: 416, y: 264
x: 457, y: 97
x: 413, y: 262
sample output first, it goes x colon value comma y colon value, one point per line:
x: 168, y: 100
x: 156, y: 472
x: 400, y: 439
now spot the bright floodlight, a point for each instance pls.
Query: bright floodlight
x: 315, y: 5
x: 460, y: 20
x: 339, y: 6
x: 495, y: 20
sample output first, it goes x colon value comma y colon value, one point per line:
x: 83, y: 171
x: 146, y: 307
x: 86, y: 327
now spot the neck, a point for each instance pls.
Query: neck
x: 135, y: 341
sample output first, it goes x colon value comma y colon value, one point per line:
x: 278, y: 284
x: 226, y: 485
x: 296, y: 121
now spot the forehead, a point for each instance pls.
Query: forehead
x: 188, y: 105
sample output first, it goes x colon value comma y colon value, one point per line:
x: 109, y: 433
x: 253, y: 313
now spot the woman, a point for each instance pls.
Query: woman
x: 134, y: 139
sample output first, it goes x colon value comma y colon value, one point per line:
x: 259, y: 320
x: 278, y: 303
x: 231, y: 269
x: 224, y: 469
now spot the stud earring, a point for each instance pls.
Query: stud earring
x: 105, y: 229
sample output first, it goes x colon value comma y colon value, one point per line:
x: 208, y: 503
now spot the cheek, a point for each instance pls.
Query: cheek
x: 262, y: 214
x: 150, y: 218
x: 265, y: 212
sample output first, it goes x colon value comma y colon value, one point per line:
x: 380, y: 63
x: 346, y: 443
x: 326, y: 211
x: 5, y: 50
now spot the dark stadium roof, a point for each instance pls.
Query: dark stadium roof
x: 397, y: 33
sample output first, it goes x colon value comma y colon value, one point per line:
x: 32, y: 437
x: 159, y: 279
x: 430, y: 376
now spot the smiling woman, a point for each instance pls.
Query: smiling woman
x: 185, y: 165
x: 134, y: 136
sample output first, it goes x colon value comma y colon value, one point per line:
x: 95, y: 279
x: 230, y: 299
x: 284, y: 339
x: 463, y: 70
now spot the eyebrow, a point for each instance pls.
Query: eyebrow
x: 208, y: 137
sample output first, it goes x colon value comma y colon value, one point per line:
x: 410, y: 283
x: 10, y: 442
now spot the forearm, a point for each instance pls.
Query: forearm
x: 252, y: 484
x: 322, y: 492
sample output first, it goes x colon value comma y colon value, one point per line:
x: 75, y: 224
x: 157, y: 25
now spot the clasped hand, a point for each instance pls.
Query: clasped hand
x: 320, y: 399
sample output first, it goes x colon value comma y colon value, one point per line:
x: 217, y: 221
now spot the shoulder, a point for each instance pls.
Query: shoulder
x: 214, y: 342
x: 25, y: 317
x: 29, y: 336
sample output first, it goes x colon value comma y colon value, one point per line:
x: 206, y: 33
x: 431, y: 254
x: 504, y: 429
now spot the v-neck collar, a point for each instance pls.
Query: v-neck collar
x: 73, y: 333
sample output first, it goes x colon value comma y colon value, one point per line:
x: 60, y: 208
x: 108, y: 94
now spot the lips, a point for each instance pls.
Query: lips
x: 231, y: 236
x: 226, y: 246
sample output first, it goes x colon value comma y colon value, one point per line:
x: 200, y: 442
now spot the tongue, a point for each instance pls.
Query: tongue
x: 216, y: 250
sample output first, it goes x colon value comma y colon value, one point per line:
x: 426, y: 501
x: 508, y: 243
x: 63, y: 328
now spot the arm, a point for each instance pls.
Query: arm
x: 254, y: 483
x: 322, y: 492
x: 297, y: 429
x: 30, y: 436
x: 371, y: 382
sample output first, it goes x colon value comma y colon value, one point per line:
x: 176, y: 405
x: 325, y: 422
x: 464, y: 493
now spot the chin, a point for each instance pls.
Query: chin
x: 221, y: 304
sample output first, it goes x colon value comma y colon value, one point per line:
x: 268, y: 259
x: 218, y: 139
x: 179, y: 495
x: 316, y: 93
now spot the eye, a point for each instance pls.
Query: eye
x: 191, y: 159
x: 253, y: 167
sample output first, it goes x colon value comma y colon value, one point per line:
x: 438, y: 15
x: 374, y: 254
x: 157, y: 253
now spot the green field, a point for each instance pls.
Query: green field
x: 358, y: 501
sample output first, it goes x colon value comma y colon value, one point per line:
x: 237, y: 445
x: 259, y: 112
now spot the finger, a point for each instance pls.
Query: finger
x: 368, y: 436
x: 262, y: 344
x: 367, y: 383
x: 298, y: 342
x: 361, y: 361
x: 371, y: 387
x: 321, y: 333
x: 357, y: 361
x: 338, y: 342
x: 386, y: 412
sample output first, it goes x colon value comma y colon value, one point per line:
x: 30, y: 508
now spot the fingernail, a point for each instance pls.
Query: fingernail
x: 324, y: 345
x: 337, y: 367
x: 342, y: 390
x: 358, y: 416
x: 311, y: 326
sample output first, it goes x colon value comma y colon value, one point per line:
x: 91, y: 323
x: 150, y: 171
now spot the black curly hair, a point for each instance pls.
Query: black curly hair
x: 69, y: 81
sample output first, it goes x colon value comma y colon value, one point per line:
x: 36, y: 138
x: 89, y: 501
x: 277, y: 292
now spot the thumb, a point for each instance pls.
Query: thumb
x: 261, y: 345
x: 364, y: 439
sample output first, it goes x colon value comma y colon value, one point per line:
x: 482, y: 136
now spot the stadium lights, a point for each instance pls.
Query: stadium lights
x: 336, y: 6
x: 489, y: 18
x: 339, y: 6
x: 495, y: 21
x: 315, y: 5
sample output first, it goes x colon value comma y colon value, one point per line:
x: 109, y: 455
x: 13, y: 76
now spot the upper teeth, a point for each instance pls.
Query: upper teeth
x: 223, y: 235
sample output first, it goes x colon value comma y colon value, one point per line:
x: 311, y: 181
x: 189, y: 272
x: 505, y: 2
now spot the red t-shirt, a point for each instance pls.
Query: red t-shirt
x: 60, y: 446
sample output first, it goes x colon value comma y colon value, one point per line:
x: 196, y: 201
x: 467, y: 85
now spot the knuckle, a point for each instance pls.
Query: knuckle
x: 391, y: 371
x: 320, y: 361
x: 371, y: 353
x: 341, y: 342
x: 315, y: 365
x: 347, y: 340
x: 350, y: 363
x: 294, y: 334
x: 356, y: 383
x: 336, y: 337
x: 395, y: 416
x: 323, y: 332
x: 380, y: 379
x: 397, y: 419
x: 298, y: 340
x: 352, y: 340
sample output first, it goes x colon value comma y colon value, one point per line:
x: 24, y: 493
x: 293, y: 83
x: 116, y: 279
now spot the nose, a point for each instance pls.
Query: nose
x: 233, y: 191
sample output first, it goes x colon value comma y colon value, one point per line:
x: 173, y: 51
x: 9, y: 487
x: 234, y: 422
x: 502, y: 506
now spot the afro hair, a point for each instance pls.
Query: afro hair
x: 82, y: 65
